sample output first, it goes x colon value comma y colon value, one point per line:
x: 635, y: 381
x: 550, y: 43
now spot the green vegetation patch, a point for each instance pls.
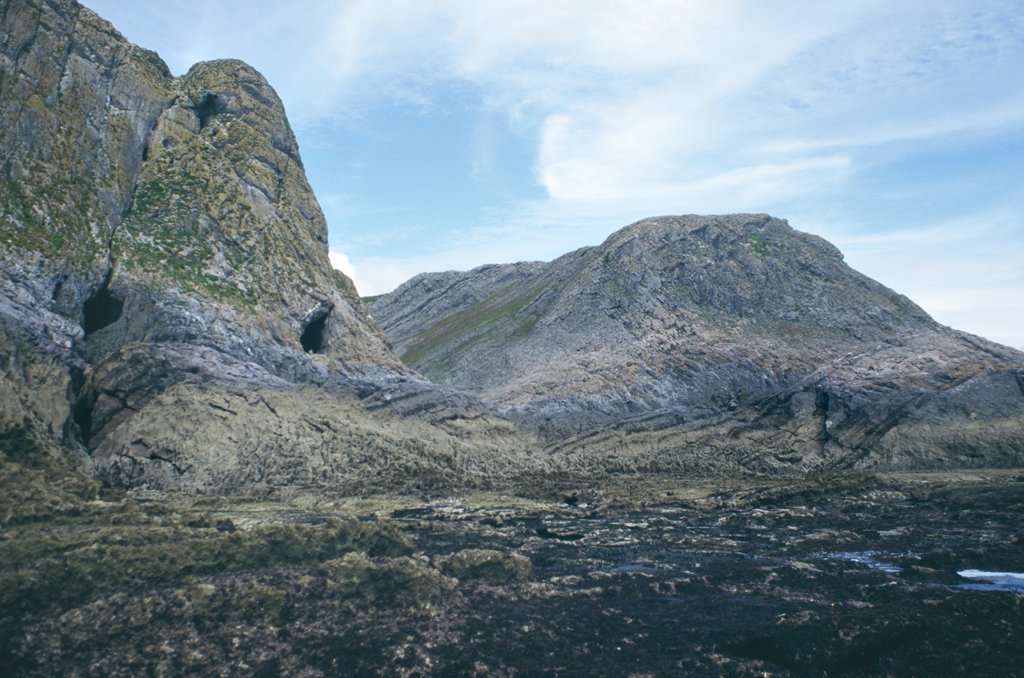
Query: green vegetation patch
x: 758, y: 244
x: 44, y: 569
x: 82, y: 577
x: 32, y: 494
x: 490, y: 311
x: 60, y: 545
x: 486, y: 566
x: 55, y: 223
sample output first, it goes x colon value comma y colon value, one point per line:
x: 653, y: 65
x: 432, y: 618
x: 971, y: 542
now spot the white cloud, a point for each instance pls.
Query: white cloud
x: 645, y: 107
x: 378, y: 275
x: 340, y: 261
x: 964, y: 272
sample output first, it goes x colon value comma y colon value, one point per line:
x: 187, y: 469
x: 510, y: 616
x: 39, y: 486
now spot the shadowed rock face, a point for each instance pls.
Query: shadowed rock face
x: 167, y: 307
x: 696, y: 342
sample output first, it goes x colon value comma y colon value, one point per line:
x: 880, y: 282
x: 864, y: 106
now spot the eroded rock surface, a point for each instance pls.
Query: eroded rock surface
x: 701, y: 343
x: 168, y: 311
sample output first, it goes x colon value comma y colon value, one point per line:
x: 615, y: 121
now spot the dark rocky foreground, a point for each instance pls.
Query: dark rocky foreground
x: 170, y: 323
x: 844, y: 576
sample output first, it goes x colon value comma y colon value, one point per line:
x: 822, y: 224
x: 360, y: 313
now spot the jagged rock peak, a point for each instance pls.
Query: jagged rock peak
x: 165, y: 261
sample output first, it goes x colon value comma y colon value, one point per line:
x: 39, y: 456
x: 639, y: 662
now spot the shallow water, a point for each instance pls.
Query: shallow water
x: 991, y: 581
x: 872, y: 559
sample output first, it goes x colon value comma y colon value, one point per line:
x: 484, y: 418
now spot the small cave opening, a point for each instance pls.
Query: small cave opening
x: 210, y: 106
x: 103, y: 308
x: 314, y: 335
x: 83, y: 415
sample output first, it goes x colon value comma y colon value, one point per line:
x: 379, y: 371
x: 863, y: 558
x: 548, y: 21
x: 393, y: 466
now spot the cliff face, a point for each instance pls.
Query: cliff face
x: 169, y: 317
x: 79, y: 103
x: 698, y: 342
x: 167, y: 308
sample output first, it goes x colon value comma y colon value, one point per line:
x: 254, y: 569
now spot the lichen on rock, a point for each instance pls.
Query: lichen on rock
x: 167, y: 256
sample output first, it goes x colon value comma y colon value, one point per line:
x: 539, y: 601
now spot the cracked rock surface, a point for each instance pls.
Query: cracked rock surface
x: 168, y: 311
x: 691, y: 343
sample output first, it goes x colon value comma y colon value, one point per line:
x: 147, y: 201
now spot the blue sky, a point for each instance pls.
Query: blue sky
x: 445, y: 134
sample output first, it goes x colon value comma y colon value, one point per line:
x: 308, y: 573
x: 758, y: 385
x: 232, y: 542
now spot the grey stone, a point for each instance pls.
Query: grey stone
x: 169, y: 317
x: 719, y: 342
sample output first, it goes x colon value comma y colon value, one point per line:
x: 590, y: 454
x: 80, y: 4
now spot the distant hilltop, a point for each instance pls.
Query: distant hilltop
x: 713, y: 342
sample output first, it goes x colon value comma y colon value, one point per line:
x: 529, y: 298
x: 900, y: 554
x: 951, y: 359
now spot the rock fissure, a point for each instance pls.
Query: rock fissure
x: 269, y: 407
x: 82, y: 415
x: 221, y: 408
x: 180, y: 470
x: 121, y: 399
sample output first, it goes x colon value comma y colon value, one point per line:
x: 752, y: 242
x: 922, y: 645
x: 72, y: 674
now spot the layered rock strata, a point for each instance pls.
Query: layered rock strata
x: 168, y: 312
x: 713, y: 343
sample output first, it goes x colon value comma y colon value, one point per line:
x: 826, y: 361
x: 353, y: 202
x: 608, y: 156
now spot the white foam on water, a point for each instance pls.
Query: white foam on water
x: 982, y: 574
x: 872, y: 559
x: 1006, y: 581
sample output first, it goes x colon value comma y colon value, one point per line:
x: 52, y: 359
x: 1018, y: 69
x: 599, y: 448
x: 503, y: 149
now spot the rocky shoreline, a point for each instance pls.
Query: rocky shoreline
x: 625, y: 576
x: 705, y: 447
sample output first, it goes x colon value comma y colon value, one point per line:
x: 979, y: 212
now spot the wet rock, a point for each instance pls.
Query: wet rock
x: 895, y: 532
x: 801, y: 566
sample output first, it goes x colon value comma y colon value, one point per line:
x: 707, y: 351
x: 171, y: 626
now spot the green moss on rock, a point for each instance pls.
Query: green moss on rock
x: 486, y: 566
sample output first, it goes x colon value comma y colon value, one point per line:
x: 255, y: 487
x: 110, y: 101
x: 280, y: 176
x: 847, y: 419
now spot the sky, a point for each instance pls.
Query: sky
x: 446, y: 134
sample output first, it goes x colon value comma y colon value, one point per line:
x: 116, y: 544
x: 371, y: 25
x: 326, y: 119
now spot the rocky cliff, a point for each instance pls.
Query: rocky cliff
x: 710, y: 343
x: 168, y: 313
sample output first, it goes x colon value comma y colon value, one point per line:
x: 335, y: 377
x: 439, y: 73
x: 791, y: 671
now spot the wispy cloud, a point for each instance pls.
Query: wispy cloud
x: 989, y: 121
x: 640, y: 107
x: 965, y: 271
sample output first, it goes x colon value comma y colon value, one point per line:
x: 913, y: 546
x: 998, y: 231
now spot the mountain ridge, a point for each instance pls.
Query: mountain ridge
x: 707, y: 321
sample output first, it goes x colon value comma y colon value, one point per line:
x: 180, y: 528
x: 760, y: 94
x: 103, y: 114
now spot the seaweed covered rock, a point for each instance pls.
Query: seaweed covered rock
x: 116, y: 586
x: 169, y: 317
x: 486, y: 566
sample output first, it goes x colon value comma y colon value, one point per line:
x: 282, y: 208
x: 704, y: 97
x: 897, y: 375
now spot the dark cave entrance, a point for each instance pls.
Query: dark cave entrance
x: 314, y: 336
x: 83, y: 415
x: 210, y: 106
x: 100, y: 310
